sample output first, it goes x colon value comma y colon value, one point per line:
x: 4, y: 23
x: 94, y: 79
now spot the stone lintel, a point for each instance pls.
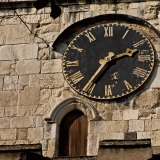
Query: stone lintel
x: 125, y: 143
x: 20, y: 147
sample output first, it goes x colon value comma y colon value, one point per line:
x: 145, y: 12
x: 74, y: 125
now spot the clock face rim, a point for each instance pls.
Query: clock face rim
x: 127, y: 93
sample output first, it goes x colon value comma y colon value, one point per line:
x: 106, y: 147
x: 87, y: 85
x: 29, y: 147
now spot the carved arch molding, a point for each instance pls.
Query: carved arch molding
x: 70, y: 104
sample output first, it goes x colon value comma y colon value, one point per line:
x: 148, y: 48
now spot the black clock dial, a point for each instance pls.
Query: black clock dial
x: 108, y: 61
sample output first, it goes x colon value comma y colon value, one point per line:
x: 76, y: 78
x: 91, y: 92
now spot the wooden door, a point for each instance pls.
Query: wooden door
x: 73, y: 134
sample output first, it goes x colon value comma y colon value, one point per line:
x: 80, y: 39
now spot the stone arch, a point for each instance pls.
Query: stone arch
x: 70, y: 104
x: 69, y: 33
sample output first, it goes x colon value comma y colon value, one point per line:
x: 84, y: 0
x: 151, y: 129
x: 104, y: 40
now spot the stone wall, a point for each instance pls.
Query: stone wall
x: 32, y: 83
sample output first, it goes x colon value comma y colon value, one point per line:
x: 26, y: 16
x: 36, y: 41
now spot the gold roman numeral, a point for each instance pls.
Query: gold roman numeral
x: 143, y: 58
x: 72, y: 63
x: 91, y: 89
x: 108, y: 31
x: 76, y: 48
x: 140, y: 72
x: 127, y: 85
x: 76, y: 77
x: 108, y: 90
x: 125, y: 34
x: 90, y: 36
x: 139, y: 43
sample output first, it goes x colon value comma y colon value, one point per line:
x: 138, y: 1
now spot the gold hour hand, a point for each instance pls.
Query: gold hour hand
x: 129, y: 52
x: 103, y: 62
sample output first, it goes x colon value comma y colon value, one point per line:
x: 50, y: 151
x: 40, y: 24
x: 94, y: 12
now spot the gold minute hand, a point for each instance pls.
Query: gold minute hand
x: 103, y: 62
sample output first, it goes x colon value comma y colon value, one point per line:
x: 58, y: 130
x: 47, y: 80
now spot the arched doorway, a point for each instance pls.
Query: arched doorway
x: 73, y: 134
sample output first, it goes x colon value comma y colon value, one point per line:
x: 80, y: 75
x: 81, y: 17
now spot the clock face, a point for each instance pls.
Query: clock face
x: 108, y: 61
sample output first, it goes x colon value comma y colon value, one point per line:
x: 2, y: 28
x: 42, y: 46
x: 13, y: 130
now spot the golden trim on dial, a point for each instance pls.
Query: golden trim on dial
x: 139, y: 72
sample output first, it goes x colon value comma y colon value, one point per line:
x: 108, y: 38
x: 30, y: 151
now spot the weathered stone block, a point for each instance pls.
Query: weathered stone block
x: 117, y: 115
x: 97, y: 127
x: 48, y: 80
x: 143, y: 135
x: 39, y: 110
x: 28, y: 67
x: 7, y: 142
x: 130, y: 136
x: 147, y: 99
x: 26, y: 11
x: 22, y: 133
x: 44, y: 145
x: 147, y: 125
x: 1, y: 111
x: 156, y: 82
x: 18, y: 52
x: 45, y: 94
x: 22, y: 122
x: 5, y: 122
x: 50, y: 131
x: 136, y: 150
x: 14, y: 34
x: 52, y: 66
x: 35, y: 135
x: 8, y: 98
x: 123, y: 126
x: 22, y: 142
x: 23, y: 81
x: 5, y: 67
x: 80, y: 8
x: 44, y: 54
x: 155, y: 138
x: 49, y: 37
x: 52, y: 145
x: 29, y: 96
x: 50, y: 28
x: 136, y: 125
x: 8, y: 134
x: 1, y: 83
x: 46, y: 19
x: 118, y: 136
x: 26, y: 110
x: 134, y: 5
x: 31, y: 18
x: 92, y: 145
x: 130, y: 114
x: 10, y: 21
x: 143, y: 114
x: 155, y: 124
x: 107, y: 116
x: 105, y: 136
x: 39, y: 121
x: 112, y: 126
x: 10, y: 111
x: 10, y: 83
x: 42, y: 45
